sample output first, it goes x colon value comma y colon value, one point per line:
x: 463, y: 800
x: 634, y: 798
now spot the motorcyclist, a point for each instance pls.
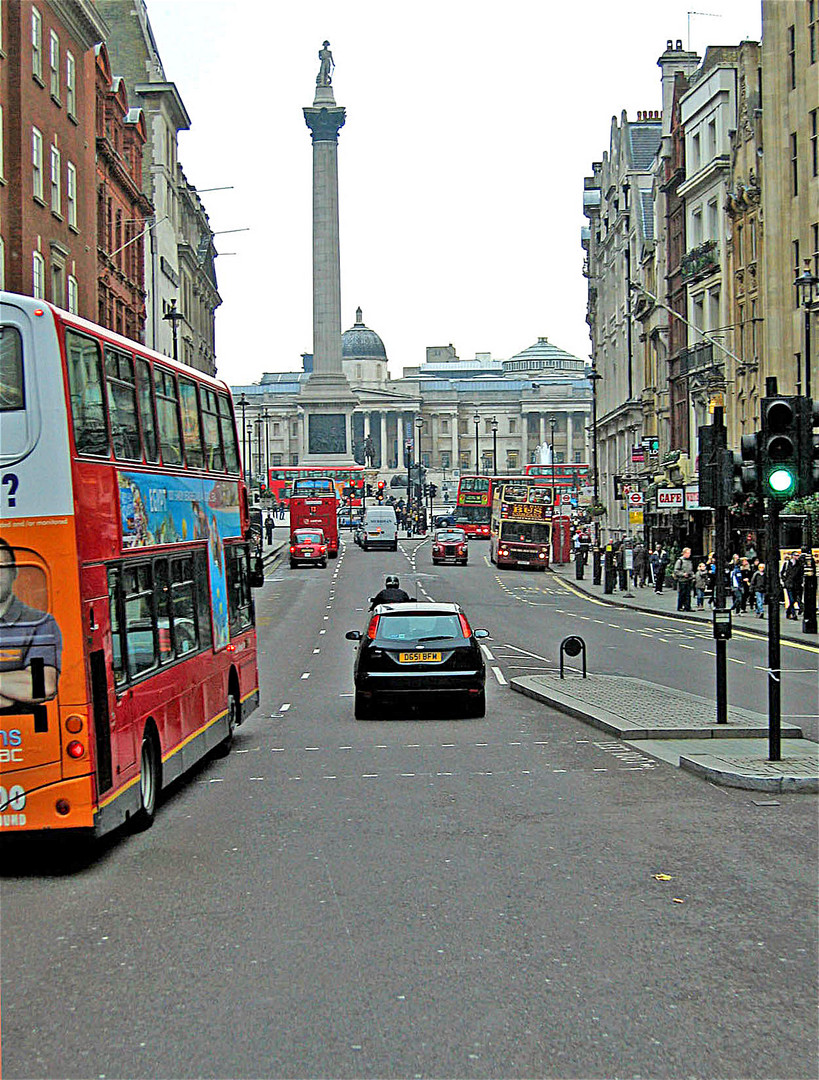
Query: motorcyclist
x: 392, y: 593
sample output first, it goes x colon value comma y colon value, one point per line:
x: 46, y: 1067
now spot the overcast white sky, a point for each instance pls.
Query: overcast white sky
x: 469, y: 131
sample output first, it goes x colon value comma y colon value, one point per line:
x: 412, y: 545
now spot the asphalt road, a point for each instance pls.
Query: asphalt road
x: 427, y: 897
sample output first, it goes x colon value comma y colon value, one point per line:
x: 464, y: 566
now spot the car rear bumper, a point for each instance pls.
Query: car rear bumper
x: 418, y: 684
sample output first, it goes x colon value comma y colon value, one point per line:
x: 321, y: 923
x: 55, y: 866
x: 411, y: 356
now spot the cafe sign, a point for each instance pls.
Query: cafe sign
x: 670, y: 499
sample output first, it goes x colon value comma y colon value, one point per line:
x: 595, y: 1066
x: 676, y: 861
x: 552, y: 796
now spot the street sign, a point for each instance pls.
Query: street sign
x: 638, y: 455
x: 635, y: 517
x: 670, y: 499
x: 634, y: 499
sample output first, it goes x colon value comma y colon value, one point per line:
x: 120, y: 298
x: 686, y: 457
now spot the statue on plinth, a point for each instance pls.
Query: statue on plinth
x: 324, y: 77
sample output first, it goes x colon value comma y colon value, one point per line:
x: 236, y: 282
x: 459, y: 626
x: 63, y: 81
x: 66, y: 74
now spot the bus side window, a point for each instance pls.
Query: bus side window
x: 167, y: 411
x: 122, y: 405
x: 191, y: 428
x: 228, y: 434
x: 212, y: 431
x: 240, y: 601
x: 118, y: 667
x: 183, y: 606
x: 139, y: 618
x: 12, y: 386
x: 201, y: 578
x: 87, y: 396
x: 146, y: 409
x: 162, y: 594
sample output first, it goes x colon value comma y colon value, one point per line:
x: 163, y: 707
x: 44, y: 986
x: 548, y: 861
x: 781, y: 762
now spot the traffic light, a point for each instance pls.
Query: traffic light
x: 746, y: 478
x: 381, y: 485
x: 782, y: 419
x: 369, y: 491
x: 433, y: 490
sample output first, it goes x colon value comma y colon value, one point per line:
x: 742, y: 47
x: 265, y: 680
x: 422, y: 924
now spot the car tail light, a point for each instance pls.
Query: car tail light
x: 465, y: 627
x: 372, y: 629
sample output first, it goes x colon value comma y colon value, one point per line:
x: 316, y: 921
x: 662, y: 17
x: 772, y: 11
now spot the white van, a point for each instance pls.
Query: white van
x: 379, y: 528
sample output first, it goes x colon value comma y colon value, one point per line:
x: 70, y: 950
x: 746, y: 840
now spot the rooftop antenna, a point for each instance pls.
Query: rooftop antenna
x: 707, y: 14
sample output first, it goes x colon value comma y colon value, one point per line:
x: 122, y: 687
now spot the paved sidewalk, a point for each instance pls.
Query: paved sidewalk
x: 665, y: 603
x: 673, y: 725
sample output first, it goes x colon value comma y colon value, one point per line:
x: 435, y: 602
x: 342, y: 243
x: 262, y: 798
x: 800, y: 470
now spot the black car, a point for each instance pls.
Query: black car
x: 414, y: 653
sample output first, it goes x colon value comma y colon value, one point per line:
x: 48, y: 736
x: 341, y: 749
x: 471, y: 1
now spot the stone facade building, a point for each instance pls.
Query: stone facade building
x: 180, y: 277
x: 122, y: 208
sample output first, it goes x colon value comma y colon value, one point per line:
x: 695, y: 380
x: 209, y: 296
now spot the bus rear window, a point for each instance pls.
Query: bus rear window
x: 87, y: 394
x: 12, y: 393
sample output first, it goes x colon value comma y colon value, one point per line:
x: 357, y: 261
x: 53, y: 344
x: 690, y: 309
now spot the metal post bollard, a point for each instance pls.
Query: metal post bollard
x: 597, y: 569
x: 572, y: 646
x: 579, y: 559
x: 608, y: 571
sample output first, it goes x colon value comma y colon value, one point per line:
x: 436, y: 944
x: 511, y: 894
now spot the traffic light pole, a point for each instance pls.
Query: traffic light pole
x: 720, y: 643
x: 774, y: 669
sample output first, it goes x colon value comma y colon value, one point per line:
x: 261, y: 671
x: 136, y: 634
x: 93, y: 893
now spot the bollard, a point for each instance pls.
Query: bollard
x: 578, y: 565
x: 572, y: 646
x: 596, y: 567
x: 608, y: 571
x: 808, y: 592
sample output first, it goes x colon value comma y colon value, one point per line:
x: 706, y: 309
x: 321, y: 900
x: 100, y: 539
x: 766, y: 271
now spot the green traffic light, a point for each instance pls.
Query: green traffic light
x: 782, y: 481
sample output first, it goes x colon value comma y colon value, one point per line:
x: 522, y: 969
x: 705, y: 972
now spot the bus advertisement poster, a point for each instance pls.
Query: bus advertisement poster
x: 525, y: 512
x: 162, y: 509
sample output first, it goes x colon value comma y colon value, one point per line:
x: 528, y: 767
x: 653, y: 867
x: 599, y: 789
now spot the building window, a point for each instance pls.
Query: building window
x: 446, y: 459
x: 739, y: 248
x: 38, y: 276
x: 70, y: 84
x: 54, y: 65
x: 713, y: 220
x: 36, y: 164
x: 752, y: 228
x: 36, y: 44
x: 792, y: 57
x: 445, y: 427
x: 2, y: 170
x: 513, y: 427
x: 56, y: 181
x: 814, y: 142
x: 712, y: 139
x: 73, y: 296
x: 57, y: 283
x: 2, y: 263
x: 696, y: 227
x: 714, y: 321
x: 512, y: 461
x: 794, y: 164
x: 275, y: 461
x: 71, y: 193
x: 815, y: 232
x: 813, y: 31
x: 695, y: 152
x: 698, y: 311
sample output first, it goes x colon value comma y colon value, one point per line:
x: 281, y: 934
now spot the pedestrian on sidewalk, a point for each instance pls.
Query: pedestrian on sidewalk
x: 659, y: 561
x: 736, y: 587
x: 684, y: 576
x: 700, y: 585
x: 792, y: 577
x: 640, y: 565
x: 269, y: 525
x: 758, y: 590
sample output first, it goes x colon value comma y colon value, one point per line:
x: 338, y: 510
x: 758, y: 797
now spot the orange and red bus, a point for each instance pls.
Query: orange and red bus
x: 127, y: 637
x: 348, y: 481
x: 521, y: 527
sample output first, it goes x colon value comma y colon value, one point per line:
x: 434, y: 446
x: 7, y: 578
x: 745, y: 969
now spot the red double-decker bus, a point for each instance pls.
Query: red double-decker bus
x: 473, y: 505
x: 127, y: 637
x: 522, y: 520
x: 347, y: 479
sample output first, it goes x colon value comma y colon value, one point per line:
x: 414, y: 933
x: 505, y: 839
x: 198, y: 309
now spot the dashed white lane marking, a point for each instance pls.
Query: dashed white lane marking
x: 316, y: 651
x: 499, y: 676
x: 322, y: 631
x: 486, y: 652
x: 284, y: 708
x: 305, y: 674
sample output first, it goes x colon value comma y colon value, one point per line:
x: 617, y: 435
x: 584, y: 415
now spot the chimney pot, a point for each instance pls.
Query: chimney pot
x: 679, y: 44
x: 668, y: 45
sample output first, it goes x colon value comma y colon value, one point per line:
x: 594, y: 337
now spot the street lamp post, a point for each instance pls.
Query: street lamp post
x: 419, y: 425
x: 553, y: 425
x: 594, y: 377
x: 477, y: 420
x: 249, y: 443
x: 243, y: 404
x: 807, y: 295
x: 495, y: 445
x: 173, y: 316
x: 265, y: 418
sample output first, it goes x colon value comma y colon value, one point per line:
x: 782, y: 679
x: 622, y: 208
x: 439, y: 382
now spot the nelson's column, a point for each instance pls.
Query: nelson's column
x: 326, y: 397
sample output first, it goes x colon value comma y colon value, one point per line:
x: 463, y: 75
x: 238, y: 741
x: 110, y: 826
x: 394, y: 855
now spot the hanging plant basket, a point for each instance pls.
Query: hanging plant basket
x: 597, y: 510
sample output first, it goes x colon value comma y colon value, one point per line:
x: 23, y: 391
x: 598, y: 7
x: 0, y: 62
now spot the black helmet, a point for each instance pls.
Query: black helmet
x: 391, y: 583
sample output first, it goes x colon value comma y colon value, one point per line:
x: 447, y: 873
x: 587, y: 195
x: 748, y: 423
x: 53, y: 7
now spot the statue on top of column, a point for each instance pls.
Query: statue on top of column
x: 324, y: 77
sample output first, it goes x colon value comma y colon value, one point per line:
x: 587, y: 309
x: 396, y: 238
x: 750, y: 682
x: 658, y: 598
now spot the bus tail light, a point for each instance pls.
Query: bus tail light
x: 75, y: 749
x: 73, y: 724
x: 466, y: 629
x: 63, y: 807
x: 372, y: 629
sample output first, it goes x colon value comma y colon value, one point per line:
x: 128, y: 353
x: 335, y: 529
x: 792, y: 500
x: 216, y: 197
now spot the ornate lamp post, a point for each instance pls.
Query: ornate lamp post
x: 249, y: 443
x: 419, y: 426
x: 494, y: 424
x: 594, y: 377
x: 807, y: 296
x: 243, y: 404
x: 477, y: 421
x: 265, y: 418
x: 173, y: 316
x: 553, y: 425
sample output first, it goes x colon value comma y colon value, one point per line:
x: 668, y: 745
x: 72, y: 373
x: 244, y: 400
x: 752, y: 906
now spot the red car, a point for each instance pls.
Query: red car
x: 308, y: 546
x: 450, y: 545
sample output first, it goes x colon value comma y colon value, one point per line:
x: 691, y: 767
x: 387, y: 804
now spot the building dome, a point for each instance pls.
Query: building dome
x: 361, y: 343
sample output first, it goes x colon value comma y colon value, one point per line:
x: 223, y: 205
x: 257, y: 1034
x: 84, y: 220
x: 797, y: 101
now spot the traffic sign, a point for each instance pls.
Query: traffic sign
x: 634, y: 499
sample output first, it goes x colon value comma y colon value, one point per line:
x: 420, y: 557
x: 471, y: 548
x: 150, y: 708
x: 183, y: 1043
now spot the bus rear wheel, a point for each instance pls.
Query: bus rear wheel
x: 149, y: 781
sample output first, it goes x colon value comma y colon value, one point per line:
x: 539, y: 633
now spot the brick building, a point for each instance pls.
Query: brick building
x: 122, y: 208
x: 47, y: 152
